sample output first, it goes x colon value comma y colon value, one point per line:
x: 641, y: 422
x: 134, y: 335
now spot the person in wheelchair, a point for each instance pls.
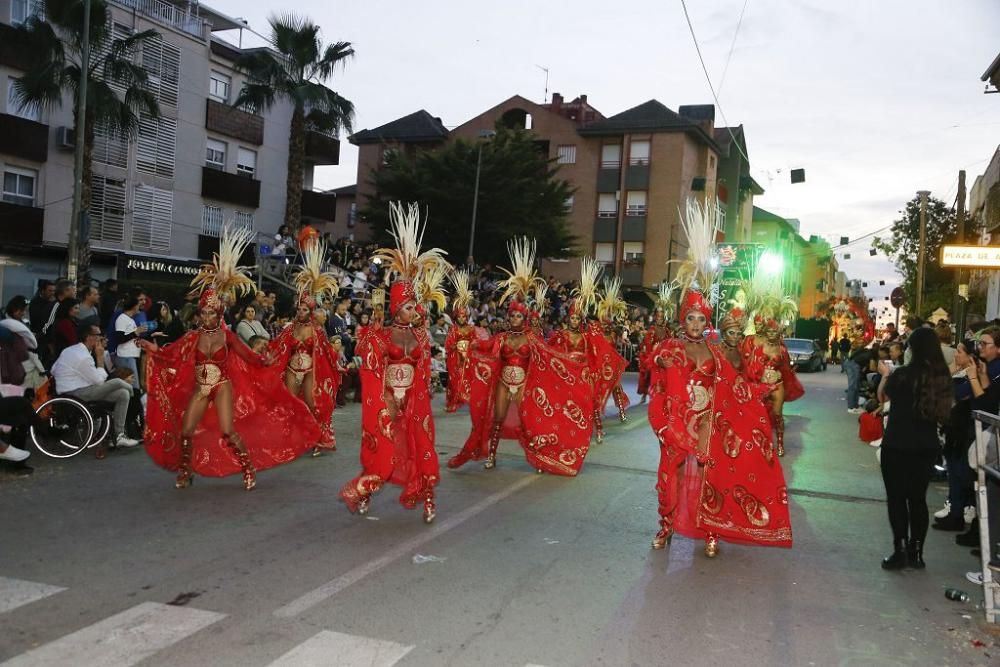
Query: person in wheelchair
x: 77, y: 373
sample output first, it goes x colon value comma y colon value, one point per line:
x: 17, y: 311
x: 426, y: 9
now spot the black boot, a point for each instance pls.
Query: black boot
x: 953, y: 522
x: 969, y: 538
x: 915, y: 555
x: 897, y: 559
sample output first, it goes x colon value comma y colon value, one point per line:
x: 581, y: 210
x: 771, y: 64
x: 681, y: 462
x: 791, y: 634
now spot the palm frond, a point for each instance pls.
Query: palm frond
x: 586, y: 293
x: 541, y: 290
x: 224, y: 273
x: 406, y: 260
x: 311, y: 279
x: 521, y: 280
x: 763, y: 297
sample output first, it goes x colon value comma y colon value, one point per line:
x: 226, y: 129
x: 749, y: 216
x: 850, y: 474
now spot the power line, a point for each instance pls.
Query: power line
x: 732, y: 46
x: 715, y: 97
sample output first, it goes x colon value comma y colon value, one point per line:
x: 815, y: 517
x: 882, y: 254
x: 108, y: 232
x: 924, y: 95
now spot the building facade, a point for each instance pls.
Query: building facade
x: 819, y: 276
x: 160, y: 200
x: 781, y: 238
x: 631, y: 172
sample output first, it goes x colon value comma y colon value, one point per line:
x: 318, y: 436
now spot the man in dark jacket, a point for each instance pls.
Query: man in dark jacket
x: 845, y: 349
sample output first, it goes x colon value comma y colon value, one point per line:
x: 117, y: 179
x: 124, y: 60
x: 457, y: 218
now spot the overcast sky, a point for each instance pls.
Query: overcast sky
x: 874, y: 99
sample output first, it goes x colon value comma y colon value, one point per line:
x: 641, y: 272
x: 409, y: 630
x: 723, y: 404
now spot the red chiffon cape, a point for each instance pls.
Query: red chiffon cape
x: 554, y: 418
x: 325, y: 370
x: 275, y: 426
x: 401, y: 450
x: 740, y: 493
x: 459, y: 383
x: 755, y: 361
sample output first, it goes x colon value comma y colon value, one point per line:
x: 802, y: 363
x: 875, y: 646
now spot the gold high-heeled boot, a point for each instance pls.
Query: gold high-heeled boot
x: 665, y: 534
x: 430, y: 509
x: 491, y: 456
x: 779, y: 434
x: 619, y: 395
x: 711, y: 546
x: 185, y: 476
x: 599, y: 426
x: 240, y: 450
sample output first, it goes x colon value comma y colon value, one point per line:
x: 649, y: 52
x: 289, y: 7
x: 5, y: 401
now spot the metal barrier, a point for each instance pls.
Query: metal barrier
x: 987, y: 448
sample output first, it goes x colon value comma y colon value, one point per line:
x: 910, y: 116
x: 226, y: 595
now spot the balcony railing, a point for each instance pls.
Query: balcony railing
x: 607, y: 214
x: 638, y: 161
x: 611, y: 164
x: 182, y: 18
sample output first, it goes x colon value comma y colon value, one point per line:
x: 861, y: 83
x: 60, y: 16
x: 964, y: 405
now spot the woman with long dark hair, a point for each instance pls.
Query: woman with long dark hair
x: 920, y: 395
x: 64, y: 327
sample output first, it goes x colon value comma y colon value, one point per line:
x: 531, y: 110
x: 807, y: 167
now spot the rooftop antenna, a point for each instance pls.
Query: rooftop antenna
x: 545, y: 97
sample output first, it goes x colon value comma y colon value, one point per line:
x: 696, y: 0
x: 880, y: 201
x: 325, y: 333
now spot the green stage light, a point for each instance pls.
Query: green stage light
x: 771, y: 262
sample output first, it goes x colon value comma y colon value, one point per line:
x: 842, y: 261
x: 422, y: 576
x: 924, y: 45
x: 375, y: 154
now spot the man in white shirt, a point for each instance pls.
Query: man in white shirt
x: 76, y: 374
x: 127, y: 353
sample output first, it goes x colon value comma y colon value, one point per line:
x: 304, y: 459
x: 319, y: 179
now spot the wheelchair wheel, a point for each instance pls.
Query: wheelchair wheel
x: 102, y: 426
x: 70, y: 428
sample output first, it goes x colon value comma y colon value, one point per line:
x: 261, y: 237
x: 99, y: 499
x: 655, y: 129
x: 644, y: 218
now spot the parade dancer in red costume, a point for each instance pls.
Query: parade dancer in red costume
x: 397, y: 442
x: 585, y: 342
x: 655, y: 334
x: 304, y: 351
x: 611, y: 309
x: 462, y: 336
x: 718, y: 478
x: 765, y: 357
x: 524, y: 390
x: 731, y: 326
x: 255, y: 423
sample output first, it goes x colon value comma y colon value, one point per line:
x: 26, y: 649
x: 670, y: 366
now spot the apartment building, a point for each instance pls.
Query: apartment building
x: 631, y: 171
x: 160, y: 200
x: 780, y: 237
x: 819, y: 275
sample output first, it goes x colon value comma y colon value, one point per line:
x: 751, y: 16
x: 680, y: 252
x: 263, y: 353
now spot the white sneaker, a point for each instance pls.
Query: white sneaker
x: 944, y: 511
x: 12, y: 453
x: 123, y: 441
x: 975, y: 577
x: 970, y: 514
x: 855, y: 411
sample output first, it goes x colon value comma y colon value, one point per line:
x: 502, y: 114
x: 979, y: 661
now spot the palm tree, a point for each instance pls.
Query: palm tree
x: 117, y: 90
x: 295, y: 70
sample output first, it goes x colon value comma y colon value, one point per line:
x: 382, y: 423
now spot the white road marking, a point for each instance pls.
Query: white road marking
x: 15, y: 593
x: 120, y: 640
x: 334, y: 586
x: 335, y: 648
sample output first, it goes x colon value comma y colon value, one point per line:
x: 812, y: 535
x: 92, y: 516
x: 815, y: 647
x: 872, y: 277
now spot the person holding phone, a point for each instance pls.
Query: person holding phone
x: 959, y: 434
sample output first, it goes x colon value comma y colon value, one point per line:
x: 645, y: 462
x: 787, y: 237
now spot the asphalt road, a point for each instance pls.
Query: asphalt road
x: 105, y: 563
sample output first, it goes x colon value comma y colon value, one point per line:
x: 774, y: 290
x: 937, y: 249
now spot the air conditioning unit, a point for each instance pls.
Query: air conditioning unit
x: 65, y: 138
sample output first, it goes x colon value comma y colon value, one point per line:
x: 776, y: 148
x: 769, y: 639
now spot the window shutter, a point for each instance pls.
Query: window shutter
x: 566, y: 155
x: 639, y: 152
x: 162, y: 62
x: 211, y: 221
x: 152, y: 218
x: 107, y: 210
x: 244, y: 220
x: 109, y: 149
x: 611, y: 155
x: 156, y: 147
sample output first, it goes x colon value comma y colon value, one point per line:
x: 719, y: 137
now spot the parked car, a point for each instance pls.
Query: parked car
x: 805, y: 354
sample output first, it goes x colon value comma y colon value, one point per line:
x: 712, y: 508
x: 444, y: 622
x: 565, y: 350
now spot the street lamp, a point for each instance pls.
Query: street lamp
x: 483, y: 134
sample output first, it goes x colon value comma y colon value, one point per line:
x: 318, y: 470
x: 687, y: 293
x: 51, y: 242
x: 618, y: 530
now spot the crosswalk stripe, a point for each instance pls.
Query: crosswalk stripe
x: 335, y: 648
x: 120, y: 640
x: 17, y: 592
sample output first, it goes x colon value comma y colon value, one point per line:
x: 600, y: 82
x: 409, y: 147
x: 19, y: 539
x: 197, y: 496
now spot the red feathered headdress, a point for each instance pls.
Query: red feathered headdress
x: 695, y: 301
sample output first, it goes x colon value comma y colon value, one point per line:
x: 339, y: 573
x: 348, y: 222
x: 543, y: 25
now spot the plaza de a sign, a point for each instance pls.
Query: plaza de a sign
x: 970, y: 256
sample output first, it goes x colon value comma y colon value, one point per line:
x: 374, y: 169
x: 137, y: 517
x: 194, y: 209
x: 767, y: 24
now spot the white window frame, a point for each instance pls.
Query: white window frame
x: 638, y: 152
x: 632, y: 204
x: 219, y: 86
x: 14, y: 196
x: 242, y: 168
x: 604, y: 253
x: 243, y: 220
x: 568, y: 204
x: 633, y: 251
x: 566, y: 154
x: 108, y: 204
x: 29, y: 112
x: 213, y: 146
x: 212, y: 220
x: 602, y: 210
x: 29, y: 7
x: 609, y: 160
x: 720, y: 217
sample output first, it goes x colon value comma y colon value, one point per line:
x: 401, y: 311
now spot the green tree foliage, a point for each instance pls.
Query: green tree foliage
x: 903, y: 246
x: 296, y: 69
x: 520, y: 193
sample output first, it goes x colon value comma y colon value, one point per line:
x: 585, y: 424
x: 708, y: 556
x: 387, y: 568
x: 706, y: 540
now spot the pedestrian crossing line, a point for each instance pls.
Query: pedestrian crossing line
x: 16, y: 593
x: 351, y: 577
x: 120, y: 640
x: 329, y: 648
